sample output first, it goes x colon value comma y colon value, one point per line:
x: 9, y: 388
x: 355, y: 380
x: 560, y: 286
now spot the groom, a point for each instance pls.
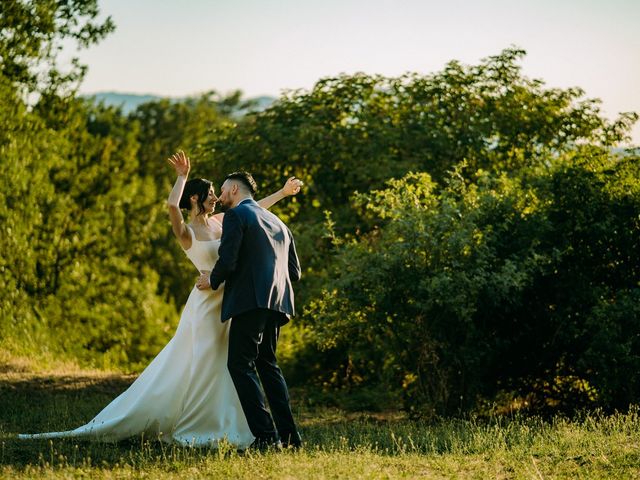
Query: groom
x: 258, y: 262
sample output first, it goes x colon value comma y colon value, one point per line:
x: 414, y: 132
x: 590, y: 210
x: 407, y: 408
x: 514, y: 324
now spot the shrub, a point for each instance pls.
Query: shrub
x: 495, y: 283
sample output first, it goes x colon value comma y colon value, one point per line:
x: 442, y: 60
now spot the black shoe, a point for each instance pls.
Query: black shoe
x: 265, y: 445
x: 291, y: 441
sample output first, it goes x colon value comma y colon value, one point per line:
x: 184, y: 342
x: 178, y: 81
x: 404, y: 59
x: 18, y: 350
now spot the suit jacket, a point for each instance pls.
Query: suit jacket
x: 257, y: 260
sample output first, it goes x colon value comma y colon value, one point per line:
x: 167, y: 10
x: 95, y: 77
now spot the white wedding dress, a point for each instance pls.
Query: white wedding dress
x: 186, y: 394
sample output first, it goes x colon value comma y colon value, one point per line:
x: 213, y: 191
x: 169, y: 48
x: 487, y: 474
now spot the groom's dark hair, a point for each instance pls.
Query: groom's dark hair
x: 246, y: 179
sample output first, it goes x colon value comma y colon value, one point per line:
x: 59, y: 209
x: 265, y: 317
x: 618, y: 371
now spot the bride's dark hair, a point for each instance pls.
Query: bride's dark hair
x: 195, y: 186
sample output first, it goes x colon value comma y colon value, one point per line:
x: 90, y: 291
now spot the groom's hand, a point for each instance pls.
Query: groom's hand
x: 203, y: 280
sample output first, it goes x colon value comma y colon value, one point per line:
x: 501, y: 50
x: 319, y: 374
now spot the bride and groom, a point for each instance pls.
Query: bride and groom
x: 205, y: 385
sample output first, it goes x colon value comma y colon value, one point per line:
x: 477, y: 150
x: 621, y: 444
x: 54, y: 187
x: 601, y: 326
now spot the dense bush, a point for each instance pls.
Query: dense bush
x: 524, y: 284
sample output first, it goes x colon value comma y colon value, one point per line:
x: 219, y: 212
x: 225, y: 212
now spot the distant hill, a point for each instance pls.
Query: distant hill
x: 130, y: 101
x: 127, y: 101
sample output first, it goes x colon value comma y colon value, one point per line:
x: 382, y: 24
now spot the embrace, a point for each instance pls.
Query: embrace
x: 205, y: 384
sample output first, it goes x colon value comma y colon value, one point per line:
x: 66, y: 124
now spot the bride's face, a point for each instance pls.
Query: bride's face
x: 210, y: 202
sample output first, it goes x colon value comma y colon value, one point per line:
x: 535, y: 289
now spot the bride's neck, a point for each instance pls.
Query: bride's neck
x: 195, y: 219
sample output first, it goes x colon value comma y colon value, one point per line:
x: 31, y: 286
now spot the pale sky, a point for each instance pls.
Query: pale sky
x: 262, y: 47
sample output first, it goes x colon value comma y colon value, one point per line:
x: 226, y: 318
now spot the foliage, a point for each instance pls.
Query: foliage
x: 494, y: 283
x: 75, y: 223
x: 166, y: 126
x: 353, y: 133
x: 504, y: 267
x: 32, y: 34
x: 84, y: 227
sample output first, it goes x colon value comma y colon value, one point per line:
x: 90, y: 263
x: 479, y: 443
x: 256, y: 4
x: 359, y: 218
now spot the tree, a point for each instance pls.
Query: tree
x: 76, y: 220
x: 73, y: 210
x: 353, y: 133
x: 32, y: 34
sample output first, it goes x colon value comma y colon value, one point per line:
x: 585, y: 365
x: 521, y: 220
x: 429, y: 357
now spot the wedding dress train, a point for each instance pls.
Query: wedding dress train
x: 186, y: 394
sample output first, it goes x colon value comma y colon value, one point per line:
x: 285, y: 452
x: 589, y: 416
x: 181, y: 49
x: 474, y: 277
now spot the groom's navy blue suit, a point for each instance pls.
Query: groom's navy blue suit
x: 258, y: 261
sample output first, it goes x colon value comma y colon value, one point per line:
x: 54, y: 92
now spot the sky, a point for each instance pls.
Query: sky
x: 263, y: 47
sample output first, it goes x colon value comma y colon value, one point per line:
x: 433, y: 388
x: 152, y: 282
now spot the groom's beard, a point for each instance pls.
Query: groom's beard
x: 223, y: 207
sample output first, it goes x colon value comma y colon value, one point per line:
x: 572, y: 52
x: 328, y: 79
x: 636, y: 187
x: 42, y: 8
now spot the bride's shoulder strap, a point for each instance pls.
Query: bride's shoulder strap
x: 192, y: 234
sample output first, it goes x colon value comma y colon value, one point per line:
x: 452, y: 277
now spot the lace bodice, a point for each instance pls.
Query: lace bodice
x: 203, y: 253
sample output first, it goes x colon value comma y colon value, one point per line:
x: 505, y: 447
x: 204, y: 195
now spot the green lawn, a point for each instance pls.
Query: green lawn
x: 338, y: 444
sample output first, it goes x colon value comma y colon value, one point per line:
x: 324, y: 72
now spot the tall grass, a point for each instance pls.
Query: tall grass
x: 338, y: 445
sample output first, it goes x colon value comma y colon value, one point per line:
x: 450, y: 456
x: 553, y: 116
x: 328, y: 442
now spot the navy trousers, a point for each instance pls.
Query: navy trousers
x: 253, y: 338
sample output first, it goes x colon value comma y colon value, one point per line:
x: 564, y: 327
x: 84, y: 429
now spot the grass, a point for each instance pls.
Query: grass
x: 338, y: 444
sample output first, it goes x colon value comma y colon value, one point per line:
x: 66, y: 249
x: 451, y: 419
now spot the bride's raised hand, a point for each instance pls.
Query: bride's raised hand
x: 181, y: 163
x: 292, y: 186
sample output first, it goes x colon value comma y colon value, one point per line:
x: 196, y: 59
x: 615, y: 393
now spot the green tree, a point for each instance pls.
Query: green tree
x: 76, y: 219
x: 32, y: 34
x: 75, y: 213
x: 353, y: 133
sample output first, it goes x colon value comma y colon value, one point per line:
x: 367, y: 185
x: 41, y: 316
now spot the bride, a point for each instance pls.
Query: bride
x: 186, y: 394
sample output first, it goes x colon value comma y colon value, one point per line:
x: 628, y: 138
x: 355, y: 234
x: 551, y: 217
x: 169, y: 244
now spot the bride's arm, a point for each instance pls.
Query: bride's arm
x: 291, y: 187
x: 180, y: 162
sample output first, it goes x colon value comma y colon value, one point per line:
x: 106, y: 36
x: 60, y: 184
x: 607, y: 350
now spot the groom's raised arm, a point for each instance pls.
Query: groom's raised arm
x: 232, y: 234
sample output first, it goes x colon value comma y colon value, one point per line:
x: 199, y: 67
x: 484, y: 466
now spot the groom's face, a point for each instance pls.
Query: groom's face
x: 224, y: 199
